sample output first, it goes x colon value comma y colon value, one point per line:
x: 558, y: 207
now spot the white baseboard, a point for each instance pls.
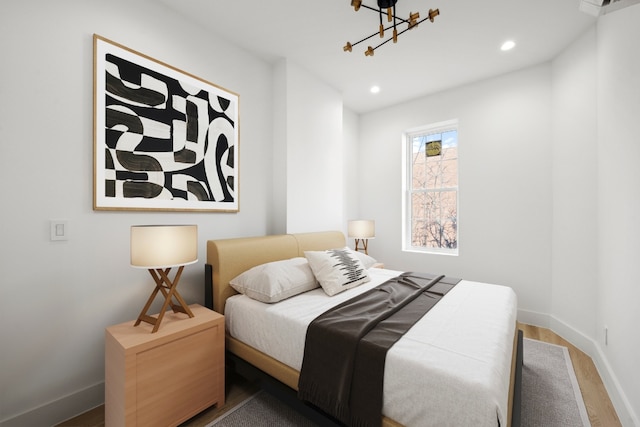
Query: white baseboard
x: 61, y: 409
x: 533, y: 318
x: 623, y: 407
x: 628, y: 417
x: 625, y: 411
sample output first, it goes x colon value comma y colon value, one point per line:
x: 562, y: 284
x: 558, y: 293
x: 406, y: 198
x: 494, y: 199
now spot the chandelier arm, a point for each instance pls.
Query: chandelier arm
x: 391, y: 26
x: 420, y: 22
x: 388, y: 28
x: 365, y: 39
x: 404, y: 21
x: 384, y: 42
x: 416, y: 24
x: 409, y: 28
x: 370, y: 8
x: 393, y: 15
x: 391, y: 38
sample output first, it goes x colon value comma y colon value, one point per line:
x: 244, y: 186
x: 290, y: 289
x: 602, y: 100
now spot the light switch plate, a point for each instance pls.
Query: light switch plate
x: 59, y: 229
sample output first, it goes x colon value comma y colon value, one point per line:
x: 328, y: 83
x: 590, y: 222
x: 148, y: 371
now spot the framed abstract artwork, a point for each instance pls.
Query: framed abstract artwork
x: 164, y: 139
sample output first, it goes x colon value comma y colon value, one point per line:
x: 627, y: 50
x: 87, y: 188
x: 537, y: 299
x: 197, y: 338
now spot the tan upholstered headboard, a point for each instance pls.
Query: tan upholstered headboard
x: 230, y: 257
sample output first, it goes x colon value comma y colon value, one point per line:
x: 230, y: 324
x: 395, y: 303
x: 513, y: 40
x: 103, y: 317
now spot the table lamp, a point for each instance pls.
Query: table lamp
x: 362, y: 230
x: 159, y: 248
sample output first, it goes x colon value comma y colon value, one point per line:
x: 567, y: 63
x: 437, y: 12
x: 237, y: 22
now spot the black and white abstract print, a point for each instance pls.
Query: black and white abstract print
x: 164, y: 139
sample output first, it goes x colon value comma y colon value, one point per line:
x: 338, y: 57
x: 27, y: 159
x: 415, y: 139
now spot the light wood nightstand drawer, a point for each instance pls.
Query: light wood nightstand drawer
x: 167, y: 377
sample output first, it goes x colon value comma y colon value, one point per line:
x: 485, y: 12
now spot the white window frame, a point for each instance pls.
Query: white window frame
x: 407, y: 176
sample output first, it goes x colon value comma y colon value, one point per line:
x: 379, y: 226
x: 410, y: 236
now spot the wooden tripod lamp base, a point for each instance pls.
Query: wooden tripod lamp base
x: 364, y: 247
x: 362, y: 230
x: 159, y: 248
x: 168, y: 289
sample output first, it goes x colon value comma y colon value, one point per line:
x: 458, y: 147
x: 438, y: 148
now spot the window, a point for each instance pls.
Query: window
x: 430, y: 214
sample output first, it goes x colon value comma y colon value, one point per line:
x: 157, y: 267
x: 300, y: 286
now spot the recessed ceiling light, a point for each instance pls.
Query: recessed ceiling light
x: 508, y: 45
x: 375, y: 89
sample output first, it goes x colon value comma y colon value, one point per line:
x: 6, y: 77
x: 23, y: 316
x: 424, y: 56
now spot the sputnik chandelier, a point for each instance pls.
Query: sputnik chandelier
x: 390, y: 6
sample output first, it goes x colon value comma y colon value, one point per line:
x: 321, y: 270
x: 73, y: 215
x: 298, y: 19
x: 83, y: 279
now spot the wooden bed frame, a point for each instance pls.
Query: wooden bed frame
x: 228, y: 258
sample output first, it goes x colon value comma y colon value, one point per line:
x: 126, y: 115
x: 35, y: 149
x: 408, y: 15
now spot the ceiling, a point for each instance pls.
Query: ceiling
x: 461, y: 46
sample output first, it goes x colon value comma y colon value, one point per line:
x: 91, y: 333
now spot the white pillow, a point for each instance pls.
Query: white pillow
x: 337, y: 269
x: 275, y: 281
x: 367, y: 260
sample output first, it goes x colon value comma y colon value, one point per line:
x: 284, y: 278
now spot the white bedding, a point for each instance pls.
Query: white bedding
x: 452, y: 368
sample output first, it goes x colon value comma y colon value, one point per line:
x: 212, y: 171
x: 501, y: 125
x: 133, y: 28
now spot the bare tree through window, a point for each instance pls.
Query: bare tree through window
x: 433, y: 189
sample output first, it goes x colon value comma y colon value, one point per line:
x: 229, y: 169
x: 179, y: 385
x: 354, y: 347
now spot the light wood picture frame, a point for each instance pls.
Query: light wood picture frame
x: 163, y: 139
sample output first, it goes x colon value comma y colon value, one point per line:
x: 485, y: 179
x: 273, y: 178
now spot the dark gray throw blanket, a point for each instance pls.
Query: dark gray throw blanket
x: 345, y: 349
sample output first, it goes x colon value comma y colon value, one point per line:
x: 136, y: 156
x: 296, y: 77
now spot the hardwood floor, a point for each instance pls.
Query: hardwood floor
x: 599, y: 406
x: 237, y: 388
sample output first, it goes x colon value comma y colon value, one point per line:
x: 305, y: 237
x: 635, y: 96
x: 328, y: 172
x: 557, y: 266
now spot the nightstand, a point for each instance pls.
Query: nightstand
x: 166, y: 377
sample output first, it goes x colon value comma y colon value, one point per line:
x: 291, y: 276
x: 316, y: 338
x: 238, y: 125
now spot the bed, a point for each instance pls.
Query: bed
x: 474, y: 348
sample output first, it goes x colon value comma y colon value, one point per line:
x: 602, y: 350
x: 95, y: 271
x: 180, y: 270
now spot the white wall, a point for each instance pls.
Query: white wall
x: 57, y: 297
x: 504, y: 175
x: 583, y: 175
x: 351, y: 196
x: 315, y: 154
x: 279, y: 159
x: 574, y: 174
x: 618, y: 198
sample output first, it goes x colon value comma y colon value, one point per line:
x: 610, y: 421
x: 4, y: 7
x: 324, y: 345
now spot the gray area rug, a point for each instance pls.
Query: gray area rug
x: 550, y: 392
x: 262, y: 409
x: 550, y: 396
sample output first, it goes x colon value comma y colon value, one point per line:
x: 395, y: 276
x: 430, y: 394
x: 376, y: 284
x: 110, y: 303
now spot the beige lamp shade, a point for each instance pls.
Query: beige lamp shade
x: 163, y: 246
x: 362, y: 229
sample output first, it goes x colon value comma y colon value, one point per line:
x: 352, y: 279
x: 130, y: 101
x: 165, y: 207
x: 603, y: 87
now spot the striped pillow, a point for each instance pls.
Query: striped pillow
x: 337, y: 269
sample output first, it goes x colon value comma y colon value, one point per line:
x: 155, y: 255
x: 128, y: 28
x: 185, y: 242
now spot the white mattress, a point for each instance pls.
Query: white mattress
x: 452, y: 368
